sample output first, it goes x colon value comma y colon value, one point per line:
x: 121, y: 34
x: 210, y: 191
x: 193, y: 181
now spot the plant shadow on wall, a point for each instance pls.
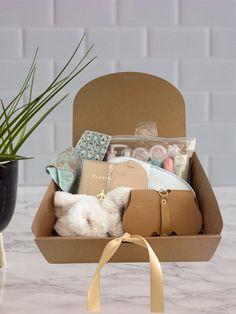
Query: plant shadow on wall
x: 14, y: 121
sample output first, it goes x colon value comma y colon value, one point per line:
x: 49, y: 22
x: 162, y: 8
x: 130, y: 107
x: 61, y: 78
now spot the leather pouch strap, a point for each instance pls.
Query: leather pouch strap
x: 165, y: 213
x: 156, y: 282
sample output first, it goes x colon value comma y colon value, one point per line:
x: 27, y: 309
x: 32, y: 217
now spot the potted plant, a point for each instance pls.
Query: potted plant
x: 15, y: 130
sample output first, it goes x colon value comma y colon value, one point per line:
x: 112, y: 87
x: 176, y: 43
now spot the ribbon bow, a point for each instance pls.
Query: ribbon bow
x: 156, y: 282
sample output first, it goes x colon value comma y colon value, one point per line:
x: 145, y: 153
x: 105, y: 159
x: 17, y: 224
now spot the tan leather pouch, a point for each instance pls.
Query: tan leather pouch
x: 150, y: 212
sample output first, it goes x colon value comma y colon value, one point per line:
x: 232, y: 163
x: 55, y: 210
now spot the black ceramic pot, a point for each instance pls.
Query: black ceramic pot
x: 8, y: 192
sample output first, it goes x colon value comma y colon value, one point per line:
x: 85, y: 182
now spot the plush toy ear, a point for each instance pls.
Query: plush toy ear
x: 63, y: 202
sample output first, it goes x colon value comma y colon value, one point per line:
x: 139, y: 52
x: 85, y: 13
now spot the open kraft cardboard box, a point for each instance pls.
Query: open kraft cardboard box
x: 113, y: 104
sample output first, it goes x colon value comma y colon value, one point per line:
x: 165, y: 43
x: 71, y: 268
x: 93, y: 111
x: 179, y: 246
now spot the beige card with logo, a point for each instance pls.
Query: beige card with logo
x: 99, y: 177
x: 129, y: 173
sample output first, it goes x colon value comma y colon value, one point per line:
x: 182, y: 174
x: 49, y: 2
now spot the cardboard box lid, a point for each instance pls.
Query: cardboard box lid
x: 115, y: 103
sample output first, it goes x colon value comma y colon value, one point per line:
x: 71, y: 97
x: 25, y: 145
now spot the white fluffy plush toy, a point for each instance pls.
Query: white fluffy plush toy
x: 85, y: 215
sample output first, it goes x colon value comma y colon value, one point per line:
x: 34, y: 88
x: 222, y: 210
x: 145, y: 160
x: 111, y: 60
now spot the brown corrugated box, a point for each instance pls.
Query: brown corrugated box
x: 113, y: 104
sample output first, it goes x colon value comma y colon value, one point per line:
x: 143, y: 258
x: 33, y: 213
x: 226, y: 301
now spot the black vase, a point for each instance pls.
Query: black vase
x: 8, y: 192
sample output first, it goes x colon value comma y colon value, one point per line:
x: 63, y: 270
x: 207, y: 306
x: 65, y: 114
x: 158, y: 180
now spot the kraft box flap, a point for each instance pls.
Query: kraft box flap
x: 212, y: 219
x: 45, y: 219
x: 115, y: 103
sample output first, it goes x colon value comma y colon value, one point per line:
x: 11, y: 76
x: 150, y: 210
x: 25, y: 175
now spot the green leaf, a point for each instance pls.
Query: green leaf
x: 30, y: 114
x: 35, y: 101
x: 9, y: 157
x: 9, y: 131
x: 36, y: 125
x: 14, y: 119
x: 30, y: 99
x: 13, y: 104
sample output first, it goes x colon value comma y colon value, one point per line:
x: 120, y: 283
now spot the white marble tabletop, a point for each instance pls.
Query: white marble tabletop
x: 30, y: 285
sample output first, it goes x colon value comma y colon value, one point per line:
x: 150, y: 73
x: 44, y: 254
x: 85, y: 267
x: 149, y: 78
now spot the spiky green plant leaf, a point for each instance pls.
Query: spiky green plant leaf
x: 15, y: 118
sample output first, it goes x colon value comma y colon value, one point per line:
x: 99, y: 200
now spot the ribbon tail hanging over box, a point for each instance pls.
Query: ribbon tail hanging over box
x: 156, y: 281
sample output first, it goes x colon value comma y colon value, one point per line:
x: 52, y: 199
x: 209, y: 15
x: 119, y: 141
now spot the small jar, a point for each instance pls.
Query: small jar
x: 140, y: 153
x: 158, y: 152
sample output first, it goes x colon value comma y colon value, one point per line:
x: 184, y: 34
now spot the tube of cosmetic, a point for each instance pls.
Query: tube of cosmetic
x: 181, y: 166
x: 127, y: 152
x: 168, y: 164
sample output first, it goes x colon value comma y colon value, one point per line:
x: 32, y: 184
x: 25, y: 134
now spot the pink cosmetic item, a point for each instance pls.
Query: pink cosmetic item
x: 140, y: 153
x: 157, y: 152
x: 168, y: 164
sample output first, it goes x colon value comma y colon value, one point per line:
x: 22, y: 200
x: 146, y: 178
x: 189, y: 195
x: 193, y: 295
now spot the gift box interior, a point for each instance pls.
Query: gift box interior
x: 113, y: 104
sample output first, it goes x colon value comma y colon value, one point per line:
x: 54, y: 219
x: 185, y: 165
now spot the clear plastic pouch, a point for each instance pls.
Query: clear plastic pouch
x: 172, y: 154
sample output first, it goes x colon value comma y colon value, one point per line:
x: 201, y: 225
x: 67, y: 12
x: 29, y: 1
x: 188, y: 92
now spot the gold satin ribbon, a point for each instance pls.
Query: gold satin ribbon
x: 156, y: 282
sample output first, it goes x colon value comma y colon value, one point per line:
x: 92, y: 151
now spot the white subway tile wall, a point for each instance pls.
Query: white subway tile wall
x: 191, y: 43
